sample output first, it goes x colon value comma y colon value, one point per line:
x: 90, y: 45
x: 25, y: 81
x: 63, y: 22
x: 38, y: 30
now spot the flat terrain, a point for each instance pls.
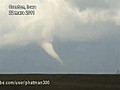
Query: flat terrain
x: 63, y: 82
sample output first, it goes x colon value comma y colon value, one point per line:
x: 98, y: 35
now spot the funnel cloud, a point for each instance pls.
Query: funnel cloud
x: 48, y: 47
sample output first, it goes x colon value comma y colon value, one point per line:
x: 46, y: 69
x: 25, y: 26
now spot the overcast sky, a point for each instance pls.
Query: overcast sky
x: 83, y: 34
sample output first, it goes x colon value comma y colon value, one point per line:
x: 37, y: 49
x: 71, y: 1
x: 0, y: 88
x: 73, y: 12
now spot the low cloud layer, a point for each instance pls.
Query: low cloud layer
x: 66, y: 20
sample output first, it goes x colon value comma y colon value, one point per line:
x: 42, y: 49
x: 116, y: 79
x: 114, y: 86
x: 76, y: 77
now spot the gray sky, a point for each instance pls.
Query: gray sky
x: 84, y: 34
